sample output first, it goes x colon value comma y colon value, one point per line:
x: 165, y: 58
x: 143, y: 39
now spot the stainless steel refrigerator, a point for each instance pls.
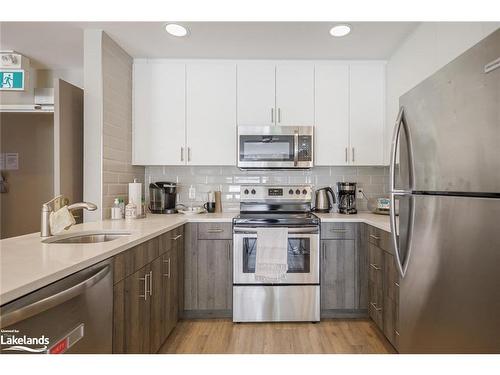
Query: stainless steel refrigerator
x: 445, y: 175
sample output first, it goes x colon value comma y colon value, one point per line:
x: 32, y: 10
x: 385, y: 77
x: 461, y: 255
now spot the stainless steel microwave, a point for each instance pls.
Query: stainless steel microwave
x: 275, y: 147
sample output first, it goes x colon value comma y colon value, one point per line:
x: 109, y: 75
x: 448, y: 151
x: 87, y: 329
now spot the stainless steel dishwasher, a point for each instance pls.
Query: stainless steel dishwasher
x: 72, y: 315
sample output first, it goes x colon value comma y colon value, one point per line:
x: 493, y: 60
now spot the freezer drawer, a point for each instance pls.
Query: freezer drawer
x: 450, y: 294
x: 277, y: 303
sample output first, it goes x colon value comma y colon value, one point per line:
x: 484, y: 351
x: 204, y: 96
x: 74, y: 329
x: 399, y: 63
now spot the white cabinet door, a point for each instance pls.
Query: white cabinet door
x: 256, y: 93
x: 367, y: 101
x: 211, y: 113
x: 159, y: 124
x: 295, y: 94
x: 332, y: 113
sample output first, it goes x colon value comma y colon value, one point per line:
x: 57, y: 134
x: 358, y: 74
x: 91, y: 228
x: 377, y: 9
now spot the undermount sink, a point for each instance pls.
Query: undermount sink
x: 86, y: 237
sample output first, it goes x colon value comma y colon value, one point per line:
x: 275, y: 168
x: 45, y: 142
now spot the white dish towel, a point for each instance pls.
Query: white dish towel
x: 271, y: 263
x: 60, y: 220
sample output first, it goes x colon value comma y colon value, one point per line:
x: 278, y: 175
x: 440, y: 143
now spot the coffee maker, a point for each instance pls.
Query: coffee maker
x: 347, y: 197
x: 162, y: 197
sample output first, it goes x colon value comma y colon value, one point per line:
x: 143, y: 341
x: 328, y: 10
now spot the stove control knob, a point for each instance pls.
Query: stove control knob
x: 304, y: 191
x: 253, y: 191
x: 246, y: 191
x: 290, y: 191
x: 297, y: 191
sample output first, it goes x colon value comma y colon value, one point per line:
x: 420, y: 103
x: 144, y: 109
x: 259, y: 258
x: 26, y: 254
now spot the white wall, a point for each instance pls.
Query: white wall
x: 428, y: 48
x: 40, y: 78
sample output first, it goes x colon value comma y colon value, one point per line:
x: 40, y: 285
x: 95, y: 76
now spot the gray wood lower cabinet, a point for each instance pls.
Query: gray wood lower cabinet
x: 146, y: 294
x: 208, y: 271
x: 343, y: 270
x: 383, y: 285
x: 338, y: 274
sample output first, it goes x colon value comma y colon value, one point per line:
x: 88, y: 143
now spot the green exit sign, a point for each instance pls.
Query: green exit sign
x: 12, y: 80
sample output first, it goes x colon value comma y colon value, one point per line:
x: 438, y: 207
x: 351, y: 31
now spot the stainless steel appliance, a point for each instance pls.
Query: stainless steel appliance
x: 324, y: 199
x: 447, y: 182
x: 297, y: 297
x: 347, y: 197
x: 162, y: 197
x: 73, y: 315
x: 275, y: 147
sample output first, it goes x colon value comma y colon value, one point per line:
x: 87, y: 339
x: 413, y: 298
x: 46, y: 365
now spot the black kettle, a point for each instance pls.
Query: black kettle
x: 324, y: 200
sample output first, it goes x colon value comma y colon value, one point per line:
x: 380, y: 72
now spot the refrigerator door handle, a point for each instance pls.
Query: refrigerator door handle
x: 402, y: 264
x: 400, y: 121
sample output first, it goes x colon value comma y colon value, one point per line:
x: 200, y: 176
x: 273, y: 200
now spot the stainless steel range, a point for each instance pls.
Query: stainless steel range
x: 297, y: 297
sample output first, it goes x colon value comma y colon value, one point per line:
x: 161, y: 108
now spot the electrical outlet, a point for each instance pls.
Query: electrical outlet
x: 359, y: 193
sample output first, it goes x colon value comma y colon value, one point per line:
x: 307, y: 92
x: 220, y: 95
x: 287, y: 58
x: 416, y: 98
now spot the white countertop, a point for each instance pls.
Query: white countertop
x: 27, y: 264
x: 378, y: 221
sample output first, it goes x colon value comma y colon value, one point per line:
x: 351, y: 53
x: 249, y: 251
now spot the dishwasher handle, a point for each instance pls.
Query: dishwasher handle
x: 46, y: 303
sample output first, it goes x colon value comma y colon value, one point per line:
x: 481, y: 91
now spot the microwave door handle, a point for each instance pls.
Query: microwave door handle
x: 296, y: 148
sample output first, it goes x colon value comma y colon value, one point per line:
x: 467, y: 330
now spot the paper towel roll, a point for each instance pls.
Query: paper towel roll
x: 135, y: 195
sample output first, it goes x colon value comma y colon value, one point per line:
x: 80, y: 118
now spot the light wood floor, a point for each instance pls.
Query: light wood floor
x: 328, y: 336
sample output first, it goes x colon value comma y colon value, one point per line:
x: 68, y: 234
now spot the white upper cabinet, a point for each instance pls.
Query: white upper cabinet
x: 367, y: 111
x: 256, y: 93
x: 158, y: 113
x: 295, y: 93
x: 211, y: 113
x: 332, y: 113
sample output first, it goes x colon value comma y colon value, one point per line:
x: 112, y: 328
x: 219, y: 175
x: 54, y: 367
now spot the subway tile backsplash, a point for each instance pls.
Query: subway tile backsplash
x: 373, y: 180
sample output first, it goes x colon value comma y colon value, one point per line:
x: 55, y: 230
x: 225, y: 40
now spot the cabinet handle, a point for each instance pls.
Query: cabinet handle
x: 176, y: 237
x: 375, y: 267
x: 182, y: 153
x: 215, y: 230
x: 374, y: 237
x: 324, y: 251
x: 338, y: 230
x: 396, y: 332
x: 272, y: 115
x: 168, y: 268
x: 374, y: 305
x: 353, y: 154
x: 397, y: 284
x: 228, y: 249
x: 346, y: 157
x: 279, y: 114
x: 189, y: 153
x: 150, y: 283
x: 145, y: 279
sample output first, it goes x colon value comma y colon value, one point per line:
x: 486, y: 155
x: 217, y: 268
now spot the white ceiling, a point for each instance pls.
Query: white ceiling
x: 59, y: 45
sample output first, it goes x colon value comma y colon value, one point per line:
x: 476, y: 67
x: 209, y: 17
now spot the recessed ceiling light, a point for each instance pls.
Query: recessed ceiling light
x: 176, y: 29
x: 340, y: 30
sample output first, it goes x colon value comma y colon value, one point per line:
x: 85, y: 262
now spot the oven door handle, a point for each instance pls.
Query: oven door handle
x: 306, y: 230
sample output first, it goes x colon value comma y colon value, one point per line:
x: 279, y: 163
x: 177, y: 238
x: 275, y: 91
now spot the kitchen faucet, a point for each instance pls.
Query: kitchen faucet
x: 48, y: 207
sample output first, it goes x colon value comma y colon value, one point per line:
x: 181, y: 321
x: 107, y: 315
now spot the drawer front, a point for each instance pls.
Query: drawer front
x: 376, y: 303
x: 215, y: 231
x: 338, y: 231
x: 375, y: 264
x: 168, y: 241
x: 129, y: 261
x: 380, y: 238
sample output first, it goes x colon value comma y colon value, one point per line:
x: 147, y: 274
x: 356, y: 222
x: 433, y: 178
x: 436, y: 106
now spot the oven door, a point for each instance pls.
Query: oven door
x: 303, y: 256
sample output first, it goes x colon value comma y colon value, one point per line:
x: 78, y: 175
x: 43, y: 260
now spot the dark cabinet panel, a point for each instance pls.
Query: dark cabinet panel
x: 130, y: 261
x: 132, y: 313
x: 146, y: 303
